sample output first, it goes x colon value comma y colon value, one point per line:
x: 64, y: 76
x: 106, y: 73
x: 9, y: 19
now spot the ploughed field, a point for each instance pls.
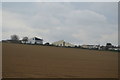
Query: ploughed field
x: 35, y: 61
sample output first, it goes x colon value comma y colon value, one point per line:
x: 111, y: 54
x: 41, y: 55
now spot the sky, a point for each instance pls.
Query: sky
x: 0, y: 21
x: 74, y: 22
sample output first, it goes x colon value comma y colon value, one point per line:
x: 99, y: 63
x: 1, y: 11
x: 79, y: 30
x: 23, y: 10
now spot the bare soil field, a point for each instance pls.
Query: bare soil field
x: 35, y: 61
x: 0, y: 60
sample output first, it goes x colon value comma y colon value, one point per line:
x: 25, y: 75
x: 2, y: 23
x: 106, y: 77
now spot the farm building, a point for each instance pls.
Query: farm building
x: 35, y: 40
x: 63, y: 43
x: 91, y: 46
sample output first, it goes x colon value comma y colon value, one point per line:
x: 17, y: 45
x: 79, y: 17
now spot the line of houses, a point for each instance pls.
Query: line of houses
x: 36, y: 40
x: 62, y: 43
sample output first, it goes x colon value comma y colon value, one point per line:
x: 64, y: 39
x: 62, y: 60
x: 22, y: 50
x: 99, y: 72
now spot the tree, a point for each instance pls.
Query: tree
x: 14, y: 38
x: 25, y: 39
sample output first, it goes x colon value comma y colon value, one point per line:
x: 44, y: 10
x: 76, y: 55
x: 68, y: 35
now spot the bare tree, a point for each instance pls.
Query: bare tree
x: 25, y: 39
x: 14, y: 38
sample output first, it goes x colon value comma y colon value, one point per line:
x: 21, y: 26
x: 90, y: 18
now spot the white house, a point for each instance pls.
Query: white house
x: 63, y: 43
x: 35, y: 40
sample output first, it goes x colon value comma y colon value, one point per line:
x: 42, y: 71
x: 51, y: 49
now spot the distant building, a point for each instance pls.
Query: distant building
x: 90, y: 46
x: 35, y: 40
x: 109, y: 45
x: 102, y: 48
x: 11, y: 41
x: 63, y: 43
x: 114, y: 49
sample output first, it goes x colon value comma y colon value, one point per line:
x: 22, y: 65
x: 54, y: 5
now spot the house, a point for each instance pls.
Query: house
x: 109, y: 45
x: 114, y: 49
x: 90, y: 46
x: 35, y: 40
x: 63, y: 43
x: 102, y: 48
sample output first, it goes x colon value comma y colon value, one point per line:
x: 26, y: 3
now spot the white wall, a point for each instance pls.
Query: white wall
x: 60, y: 43
x: 33, y: 41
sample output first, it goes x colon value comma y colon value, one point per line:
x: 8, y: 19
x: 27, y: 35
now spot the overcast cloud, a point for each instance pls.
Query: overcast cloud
x: 0, y: 21
x: 78, y: 22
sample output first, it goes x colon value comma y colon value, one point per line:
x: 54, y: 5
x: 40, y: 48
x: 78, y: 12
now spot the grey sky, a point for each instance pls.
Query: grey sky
x: 75, y: 22
x: 0, y: 21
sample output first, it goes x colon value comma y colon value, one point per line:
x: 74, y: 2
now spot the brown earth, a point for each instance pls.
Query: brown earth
x: 34, y: 61
x: 0, y: 60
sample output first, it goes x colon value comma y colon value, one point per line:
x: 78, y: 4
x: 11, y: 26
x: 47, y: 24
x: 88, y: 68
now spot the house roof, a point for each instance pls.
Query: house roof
x: 38, y: 38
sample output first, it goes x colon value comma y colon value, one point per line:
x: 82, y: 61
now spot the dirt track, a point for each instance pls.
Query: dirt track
x: 29, y: 61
